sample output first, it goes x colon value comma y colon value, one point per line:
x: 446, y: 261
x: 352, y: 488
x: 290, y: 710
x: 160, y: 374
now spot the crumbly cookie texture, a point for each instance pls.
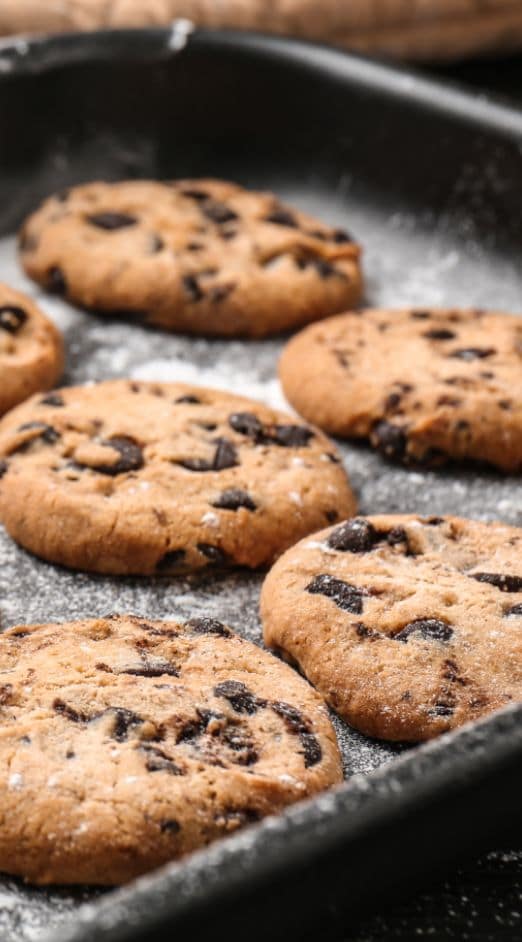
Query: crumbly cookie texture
x: 126, y: 743
x: 408, y: 626
x: 156, y: 478
x: 425, y: 386
x: 196, y: 256
x: 31, y: 349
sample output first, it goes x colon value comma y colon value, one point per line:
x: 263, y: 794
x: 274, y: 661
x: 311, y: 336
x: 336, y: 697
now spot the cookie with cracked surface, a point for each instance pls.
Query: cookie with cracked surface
x: 425, y: 386
x: 127, y: 743
x: 195, y: 256
x: 142, y: 478
x: 31, y: 349
x: 408, y: 626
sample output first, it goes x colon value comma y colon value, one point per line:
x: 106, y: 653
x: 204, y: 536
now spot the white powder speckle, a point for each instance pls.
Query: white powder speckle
x: 16, y: 781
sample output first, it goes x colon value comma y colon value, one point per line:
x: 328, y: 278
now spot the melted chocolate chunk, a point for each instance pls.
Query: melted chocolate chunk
x: 3, y: 468
x: 440, y: 333
x: 299, y: 725
x: 502, y: 581
x: 241, y: 699
x: 233, y: 499
x: 396, y: 536
x: 52, y: 399
x: 218, y: 212
x: 213, y: 553
x: 282, y: 217
x: 340, y: 236
x: 473, y: 353
x: 171, y: 560
x: 430, y: 629
x: 56, y: 282
x: 195, y: 728
x: 354, y: 536
x: 390, y: 440
x: 197, y: 195
x: 112, y: 221
x: 241, y: 745
x: 442, y: 709
x: 12, y: 318
x: 347, y: 597
x: 131, y: 456
x: 170, y: 826
x: 208, y: 626
x: 159, y: 761
x: 152, y: 668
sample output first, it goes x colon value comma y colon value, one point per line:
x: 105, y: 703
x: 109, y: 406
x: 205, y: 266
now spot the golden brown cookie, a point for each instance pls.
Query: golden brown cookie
x: 409, y: 626
x: 128, y: 477
x: 425, y: 386
x: 31, y: 349
x: 126, y: 743
x: 196, y: 256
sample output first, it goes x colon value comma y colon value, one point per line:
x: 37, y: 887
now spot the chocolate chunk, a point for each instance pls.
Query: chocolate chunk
x: 354, y: 536
x: 188, y: 400
x: 221, y: 292
x: 218, y: 212
x: 208, y: 626
x: 473, y: 353
x: 170, y: 826
x: 420, y: 315
x: 12, y: 317
x: 213, y: 553
x: 396, y: 536
x: 442, y: 709
x: 440, y: 333
x: 46, y: 433
x: 112, y: 221
x: 242, y: 745
x: 159, y: 761
x: 195, y: 728
x: 197, y: 195
x: 325, y: 269
x: 56, y: 282
x: 193, y: 288
x: 124, y: 721
x: 75, y: 716
x: 282, y: 217
x: 131, y: 456
x: 347, y: 597
x: 246, y: 423
x: 226, y: 454
x: 502, y: 581
x: 52, y: 399
x: 155, y: 667
x: 241, y: 699
x: 299, y: 725
x: 171, y: 560
x: 3, y: 468
x: 515, y: 610
x: 390, y: 440
x: 290, y: 436
x: 430, y: 629
x: 156, y: 244
x: 233, y: 499
x: 340, y: 236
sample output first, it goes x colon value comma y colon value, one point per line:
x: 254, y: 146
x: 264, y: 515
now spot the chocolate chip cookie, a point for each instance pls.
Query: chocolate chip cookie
x: 196, y: 256
x: 409, y: 626
x: 126, y: 743
x: 425, y: 386
x: 31, y: 349
x: 127, y: 477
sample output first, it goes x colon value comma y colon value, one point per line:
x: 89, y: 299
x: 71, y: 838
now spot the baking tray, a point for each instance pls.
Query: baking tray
x: 429, y: 180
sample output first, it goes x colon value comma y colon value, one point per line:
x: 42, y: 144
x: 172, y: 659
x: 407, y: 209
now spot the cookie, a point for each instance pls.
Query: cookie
x: 425, y: 386
x: 31, y: 349
x: 409, y: 626
x: 127, y: 743
x: 197, y: 256
x: 127, y: 477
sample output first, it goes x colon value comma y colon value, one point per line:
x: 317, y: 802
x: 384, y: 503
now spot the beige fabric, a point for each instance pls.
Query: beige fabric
x: 415, y: 29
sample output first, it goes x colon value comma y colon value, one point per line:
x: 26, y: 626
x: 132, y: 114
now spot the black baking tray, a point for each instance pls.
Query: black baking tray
x: 429, y: 178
